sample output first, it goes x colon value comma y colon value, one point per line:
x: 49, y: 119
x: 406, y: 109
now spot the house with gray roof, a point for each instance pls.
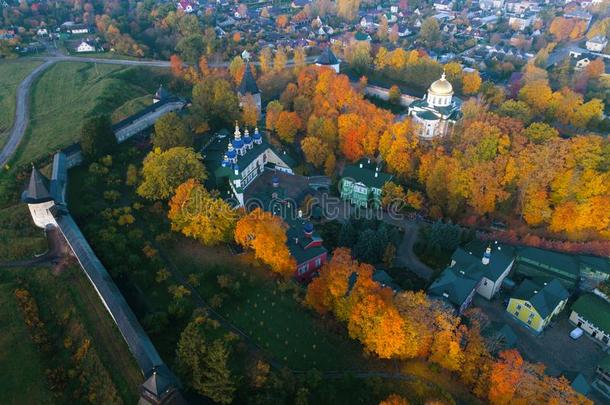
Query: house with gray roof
x: 536, y: 302
x: 478, y: 267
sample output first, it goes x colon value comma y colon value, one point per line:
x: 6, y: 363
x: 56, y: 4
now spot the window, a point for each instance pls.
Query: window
x: 531, y: 316
x: 529, y: 321
x: 517, y: 314
x: 527, y: 304
x: 519, y: 306
x: 318, y: 262
x: 302, y: 270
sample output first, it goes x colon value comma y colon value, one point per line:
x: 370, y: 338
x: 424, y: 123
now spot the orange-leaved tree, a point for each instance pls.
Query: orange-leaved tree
x: 265, y: 234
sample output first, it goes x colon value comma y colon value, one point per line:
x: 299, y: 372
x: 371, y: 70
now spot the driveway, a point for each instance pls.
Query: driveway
x: 553, y: 347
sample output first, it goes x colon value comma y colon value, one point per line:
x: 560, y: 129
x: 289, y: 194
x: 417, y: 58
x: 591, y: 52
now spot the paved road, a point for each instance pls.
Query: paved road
x: 21, y: 113
x: 22, y: 105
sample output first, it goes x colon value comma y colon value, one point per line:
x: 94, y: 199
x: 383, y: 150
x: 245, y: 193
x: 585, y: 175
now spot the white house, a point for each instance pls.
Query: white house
x: 85, y: 46
x: 582, y: 63
x: 591, y: 313
x: 597, y: 43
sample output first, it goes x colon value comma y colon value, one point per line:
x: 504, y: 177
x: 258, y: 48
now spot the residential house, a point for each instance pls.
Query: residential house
x: 491, y: 4
x: 305, y: 246
x: 536, y: 303
x: 443, y: 5
x: 455, y: 287
x: 582, y: 63
x: 478, y: 267
x: 597, y: 43
x: 362, y: 184
x: 521, y: 21
x: 602, y: 374
x: 85, y: 46
x: 591, y: 313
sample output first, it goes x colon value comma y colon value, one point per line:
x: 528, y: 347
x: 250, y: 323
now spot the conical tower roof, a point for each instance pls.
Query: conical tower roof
x: 327, y: 57
x: 248, y: 83
x: 38, y: 189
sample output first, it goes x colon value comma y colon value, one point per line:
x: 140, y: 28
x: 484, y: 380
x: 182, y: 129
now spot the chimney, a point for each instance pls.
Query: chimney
x: 486, y: 256
x: 275, y: 182
x: 300, y: 214
x: 296, y: 241
x: 236, y: 170
x: 361, y: 165
x: 376, y: 174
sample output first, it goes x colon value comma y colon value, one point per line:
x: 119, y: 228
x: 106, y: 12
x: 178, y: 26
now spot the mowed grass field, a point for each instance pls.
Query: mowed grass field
x: 68, y: 93
x: 11, y: 74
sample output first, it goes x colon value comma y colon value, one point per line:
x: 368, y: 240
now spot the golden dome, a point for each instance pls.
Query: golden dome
x: 441, y: 87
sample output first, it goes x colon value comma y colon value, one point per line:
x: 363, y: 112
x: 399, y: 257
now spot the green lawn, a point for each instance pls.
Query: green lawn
x: 272, y: 318
x: 19, y: 237
x: 22, y: 366
x: 70, y: 92
x: 11, y: 74
x: 131, y: 107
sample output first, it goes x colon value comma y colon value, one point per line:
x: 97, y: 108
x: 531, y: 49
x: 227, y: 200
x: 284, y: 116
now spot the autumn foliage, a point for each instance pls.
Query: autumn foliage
x: 265, y: 234
x: 410, y: 325
x: 199, y: 214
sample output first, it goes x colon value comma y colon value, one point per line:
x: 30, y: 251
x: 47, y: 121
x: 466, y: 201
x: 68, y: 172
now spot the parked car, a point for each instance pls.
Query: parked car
x: 576, y: 333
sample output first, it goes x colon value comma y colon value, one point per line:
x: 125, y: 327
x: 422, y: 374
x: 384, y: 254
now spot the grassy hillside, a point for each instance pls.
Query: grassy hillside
x: 86, y: 355
x: 11, y: 74
x: 21, y: 362
x: 70, y: 92
x: 19, y: 238
x: 131, y: 107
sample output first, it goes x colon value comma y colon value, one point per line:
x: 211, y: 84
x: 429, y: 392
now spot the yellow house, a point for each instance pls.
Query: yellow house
x: 535, y: 304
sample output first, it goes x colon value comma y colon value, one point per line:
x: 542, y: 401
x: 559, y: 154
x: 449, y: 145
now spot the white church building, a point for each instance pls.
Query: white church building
x: 437, y: 111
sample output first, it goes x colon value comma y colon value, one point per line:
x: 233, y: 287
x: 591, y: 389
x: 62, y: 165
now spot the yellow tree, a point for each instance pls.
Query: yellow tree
x: 249, y: 112
x: 287, y: 126
x: 315, y: 150
x: 201, y: 215
x: 236, y: 68
x: 537, y: 95
x: 280, y: 59
x: 398, y: 147
x: 266, y: 60
x: 471, y: 82
x: 265, y: 234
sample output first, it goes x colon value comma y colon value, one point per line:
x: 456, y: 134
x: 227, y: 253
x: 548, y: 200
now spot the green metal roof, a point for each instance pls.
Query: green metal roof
x: 605, y: 363
x: 594, y: 309
x: 366, y: 174
x: 427, y: 115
